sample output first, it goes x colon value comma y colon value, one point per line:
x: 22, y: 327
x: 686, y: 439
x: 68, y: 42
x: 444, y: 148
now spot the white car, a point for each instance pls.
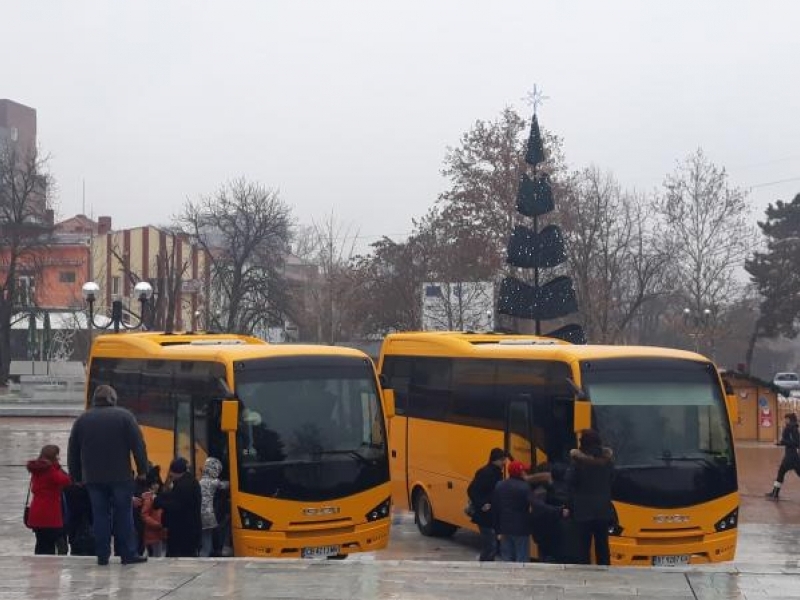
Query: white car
x: 787, y: 381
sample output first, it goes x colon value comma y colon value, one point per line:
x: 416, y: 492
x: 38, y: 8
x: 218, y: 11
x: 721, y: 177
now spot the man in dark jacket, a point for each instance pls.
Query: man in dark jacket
x: 511, y: 506
x: 480, y: 492
x: 181, y: 504
x: 101, y: 443
x: 790, y: 440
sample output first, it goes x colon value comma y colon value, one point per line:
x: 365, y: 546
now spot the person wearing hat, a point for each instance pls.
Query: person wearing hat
x: 101, y: 443
x: 480, y: 492
x: 181, y: 505
x: 511, y: 506
x: 790, y: 440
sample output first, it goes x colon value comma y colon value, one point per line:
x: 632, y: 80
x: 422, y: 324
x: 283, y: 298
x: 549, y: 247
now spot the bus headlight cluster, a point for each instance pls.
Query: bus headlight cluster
x: 251, y: 520
x: 729, y: 521
x: 613, y: 527
x: 381, y: 511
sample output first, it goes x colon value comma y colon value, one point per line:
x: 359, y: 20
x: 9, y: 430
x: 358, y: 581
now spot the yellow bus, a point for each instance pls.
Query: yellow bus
x: 300, y: 431
x: 664, y: 413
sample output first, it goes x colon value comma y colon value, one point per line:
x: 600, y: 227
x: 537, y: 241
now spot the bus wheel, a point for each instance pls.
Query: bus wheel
x: 426, y: 523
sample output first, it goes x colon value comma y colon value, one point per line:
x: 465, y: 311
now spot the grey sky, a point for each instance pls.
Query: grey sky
x: 352, y: 104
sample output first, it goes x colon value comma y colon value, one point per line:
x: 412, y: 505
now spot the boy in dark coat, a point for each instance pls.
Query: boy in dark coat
x: 511, y: 508
x: 480, y: 492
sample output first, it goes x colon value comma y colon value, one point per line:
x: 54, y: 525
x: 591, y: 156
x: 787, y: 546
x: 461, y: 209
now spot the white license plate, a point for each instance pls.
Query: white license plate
x: 319, y: 551
x: 675, y: 560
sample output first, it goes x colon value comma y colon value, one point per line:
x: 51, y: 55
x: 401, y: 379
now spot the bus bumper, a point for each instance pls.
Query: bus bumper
x: 715, y: 547
x: 366, y: 537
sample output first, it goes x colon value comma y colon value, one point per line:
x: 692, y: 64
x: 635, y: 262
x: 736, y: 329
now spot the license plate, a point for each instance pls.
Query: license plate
x: 676, y: 560
x: 319, y: 551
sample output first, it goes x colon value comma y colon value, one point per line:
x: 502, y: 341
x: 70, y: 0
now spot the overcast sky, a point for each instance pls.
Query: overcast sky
x: 351, y: 105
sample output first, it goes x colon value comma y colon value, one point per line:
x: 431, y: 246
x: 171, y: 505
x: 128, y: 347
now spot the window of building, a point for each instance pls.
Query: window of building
x: 66, y: 277
x: 14, y: 134
x: 115, y: 286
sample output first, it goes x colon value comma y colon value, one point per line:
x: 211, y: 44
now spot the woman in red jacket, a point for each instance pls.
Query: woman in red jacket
x: 45, y: 517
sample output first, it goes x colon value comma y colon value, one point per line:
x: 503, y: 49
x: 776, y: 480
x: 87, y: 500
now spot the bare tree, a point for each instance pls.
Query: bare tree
x: 330, y: 245
x: 245, y: 229
x: 617, y: 261
x: 24, y: 233
x: 706, y: 221
x: 390, y: 279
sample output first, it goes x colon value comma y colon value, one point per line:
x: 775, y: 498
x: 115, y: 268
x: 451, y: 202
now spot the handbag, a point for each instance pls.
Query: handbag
x: 27, y: 509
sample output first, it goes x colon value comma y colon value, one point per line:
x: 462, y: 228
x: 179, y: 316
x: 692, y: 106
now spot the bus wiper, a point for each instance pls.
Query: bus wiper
x: 700, y: 460
x: 352, y: 453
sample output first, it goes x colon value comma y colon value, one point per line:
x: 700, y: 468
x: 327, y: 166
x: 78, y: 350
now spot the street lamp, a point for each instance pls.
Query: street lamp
x: 698, y: 322
x: 143, y: 291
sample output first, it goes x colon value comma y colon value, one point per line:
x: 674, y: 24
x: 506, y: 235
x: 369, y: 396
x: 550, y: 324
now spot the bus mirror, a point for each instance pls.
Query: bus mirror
x: 388, y: 403
x: 230, y: 415
x: 583, y: 415
x: 732, y: 404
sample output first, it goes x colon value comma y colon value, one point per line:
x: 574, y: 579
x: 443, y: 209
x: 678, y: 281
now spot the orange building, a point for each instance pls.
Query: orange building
x: 760, y: 415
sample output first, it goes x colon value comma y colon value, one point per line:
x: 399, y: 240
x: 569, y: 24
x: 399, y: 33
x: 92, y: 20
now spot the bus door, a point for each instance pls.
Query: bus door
x: 397, y: 374
x: 518, y: 429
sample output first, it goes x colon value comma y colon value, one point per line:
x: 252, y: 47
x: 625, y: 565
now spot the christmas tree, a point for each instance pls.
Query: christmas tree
x: 535, y: 250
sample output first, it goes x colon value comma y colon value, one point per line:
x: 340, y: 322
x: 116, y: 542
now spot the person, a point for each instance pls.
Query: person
x: 790, y: 440
x: 79, y: 529
x: 155, y: 534
x: 181, y: 504
x: 210, y: 484
x: 511, y: 505
x: 589, y: 478
x: 101, y: 444
x: 479, y: 493
x: 46, y: 516
x: 548, y: 510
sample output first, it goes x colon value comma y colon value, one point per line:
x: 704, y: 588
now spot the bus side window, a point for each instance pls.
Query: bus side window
x: 430, y: 392
x: 397, y: 370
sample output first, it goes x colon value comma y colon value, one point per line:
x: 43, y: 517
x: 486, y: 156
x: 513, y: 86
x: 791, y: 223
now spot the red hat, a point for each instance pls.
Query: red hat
x: 516, y: 468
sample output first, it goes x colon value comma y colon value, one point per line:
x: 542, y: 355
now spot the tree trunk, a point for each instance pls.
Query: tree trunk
x: 751, y: 347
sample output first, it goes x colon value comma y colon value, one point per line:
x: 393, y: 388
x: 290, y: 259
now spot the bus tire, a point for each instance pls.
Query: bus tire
x: 426, y: 522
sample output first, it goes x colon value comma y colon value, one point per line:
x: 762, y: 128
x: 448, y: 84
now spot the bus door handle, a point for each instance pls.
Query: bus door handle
x: 449, y: 485
x: 394, y: 453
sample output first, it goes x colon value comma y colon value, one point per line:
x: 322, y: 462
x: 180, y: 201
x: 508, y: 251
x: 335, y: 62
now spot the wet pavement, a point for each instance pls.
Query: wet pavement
x: 411, y: 567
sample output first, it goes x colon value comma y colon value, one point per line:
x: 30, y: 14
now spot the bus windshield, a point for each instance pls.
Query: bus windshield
x: 309, y: 430
x: 666, y: 422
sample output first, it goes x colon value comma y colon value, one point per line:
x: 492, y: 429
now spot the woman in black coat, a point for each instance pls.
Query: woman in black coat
x: 181, y: 505
x: 589, y: 479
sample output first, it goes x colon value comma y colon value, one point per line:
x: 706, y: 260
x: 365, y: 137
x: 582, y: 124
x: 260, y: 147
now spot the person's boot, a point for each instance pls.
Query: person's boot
x: 776, y: 490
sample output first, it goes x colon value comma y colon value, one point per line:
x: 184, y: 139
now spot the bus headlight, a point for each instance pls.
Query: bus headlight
x: 729, y: 521
x: 613, y: 527
x: 253, y: 521
x: 381, y: 511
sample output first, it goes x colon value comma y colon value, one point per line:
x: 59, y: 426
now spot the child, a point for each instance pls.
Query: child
x: 46, y: 516
x: 181, y: 505
x: 154, y: 532
x: 209, y: 485
x: 79, y: 529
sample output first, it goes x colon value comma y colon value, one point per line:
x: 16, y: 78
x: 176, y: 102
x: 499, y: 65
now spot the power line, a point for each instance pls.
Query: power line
x: 776, y: 182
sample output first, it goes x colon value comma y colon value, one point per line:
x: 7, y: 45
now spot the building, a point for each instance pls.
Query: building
x: 17, y: 126
x: 173, y: 263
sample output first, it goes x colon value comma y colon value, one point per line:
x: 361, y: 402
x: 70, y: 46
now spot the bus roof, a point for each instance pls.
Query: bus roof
x: 219, y: 347
x: 517, y: 346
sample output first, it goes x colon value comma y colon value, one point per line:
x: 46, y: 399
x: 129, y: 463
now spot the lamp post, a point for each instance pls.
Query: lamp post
x: 143, y: 291
x: 697, y: 323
